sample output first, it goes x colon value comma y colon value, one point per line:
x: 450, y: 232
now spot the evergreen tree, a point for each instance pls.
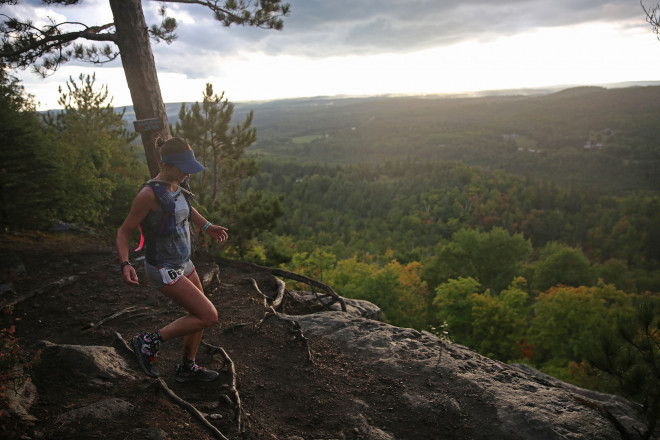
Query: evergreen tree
x: 221, y: 148
x: 630, y: 358
x: 28, y: 166
x: 100, y: 172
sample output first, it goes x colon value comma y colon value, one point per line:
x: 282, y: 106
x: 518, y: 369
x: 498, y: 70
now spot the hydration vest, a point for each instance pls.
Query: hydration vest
x: 168, y: 206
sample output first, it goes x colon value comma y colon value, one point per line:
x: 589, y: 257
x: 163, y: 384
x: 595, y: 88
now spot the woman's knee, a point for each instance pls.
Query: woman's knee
x: 209, y: 317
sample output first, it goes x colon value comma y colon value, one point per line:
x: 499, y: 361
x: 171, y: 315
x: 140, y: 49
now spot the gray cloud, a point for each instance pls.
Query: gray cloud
x: 320, y: 28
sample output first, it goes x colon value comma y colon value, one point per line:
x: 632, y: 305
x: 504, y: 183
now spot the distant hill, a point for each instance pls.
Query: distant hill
x: 596, y: 138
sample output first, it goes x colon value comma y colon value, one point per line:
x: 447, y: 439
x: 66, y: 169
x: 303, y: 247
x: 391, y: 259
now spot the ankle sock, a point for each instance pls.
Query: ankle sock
x: 188, y: 363
x: 153, y: 338
x: 152, y: 342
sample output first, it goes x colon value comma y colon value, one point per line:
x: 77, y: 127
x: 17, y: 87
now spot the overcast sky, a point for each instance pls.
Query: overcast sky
x: 365, y: 47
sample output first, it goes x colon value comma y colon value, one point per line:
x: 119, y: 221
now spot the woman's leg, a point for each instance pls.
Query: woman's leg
x: 191, y: 341
x: 189, y: 294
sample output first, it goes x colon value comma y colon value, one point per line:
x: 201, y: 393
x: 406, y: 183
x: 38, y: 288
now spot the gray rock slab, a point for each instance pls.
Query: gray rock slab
x: 444, y: 380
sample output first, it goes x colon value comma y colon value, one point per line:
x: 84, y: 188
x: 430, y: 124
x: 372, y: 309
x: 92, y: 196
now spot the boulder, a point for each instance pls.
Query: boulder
x: 19, y: 395
x: 94, y: 365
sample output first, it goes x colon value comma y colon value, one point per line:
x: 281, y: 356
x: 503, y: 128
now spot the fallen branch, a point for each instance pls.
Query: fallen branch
x: 238, y: 407
x: 191, y: 409
x: 55, y: 285
x: 130, y: 309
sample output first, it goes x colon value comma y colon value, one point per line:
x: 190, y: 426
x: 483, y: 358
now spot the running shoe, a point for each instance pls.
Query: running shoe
x: 147, y: 355
x: 194, y: 373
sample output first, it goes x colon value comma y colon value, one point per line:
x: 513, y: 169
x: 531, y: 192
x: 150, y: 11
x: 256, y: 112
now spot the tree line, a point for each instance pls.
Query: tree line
x: 540, y: 136
x: 414, y: 208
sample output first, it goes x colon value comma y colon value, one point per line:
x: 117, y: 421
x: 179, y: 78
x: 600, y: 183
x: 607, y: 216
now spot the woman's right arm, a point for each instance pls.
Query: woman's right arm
x: 142, y: 204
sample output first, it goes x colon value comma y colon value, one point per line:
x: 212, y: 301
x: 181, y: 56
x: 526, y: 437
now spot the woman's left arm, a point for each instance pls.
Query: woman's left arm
x: 218, y: 233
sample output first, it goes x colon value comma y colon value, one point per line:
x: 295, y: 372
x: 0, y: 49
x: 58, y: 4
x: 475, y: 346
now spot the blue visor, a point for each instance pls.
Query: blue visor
x: 185, y: 161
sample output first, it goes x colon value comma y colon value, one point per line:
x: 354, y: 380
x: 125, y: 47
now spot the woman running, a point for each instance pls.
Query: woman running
x: 163, y: 212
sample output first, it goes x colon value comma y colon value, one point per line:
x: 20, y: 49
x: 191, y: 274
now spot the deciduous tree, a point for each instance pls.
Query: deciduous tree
x: 500, y: 322
x: 568, y: 319
x: 560, y: 264
x: 454, y: 301
x: 494, y: 258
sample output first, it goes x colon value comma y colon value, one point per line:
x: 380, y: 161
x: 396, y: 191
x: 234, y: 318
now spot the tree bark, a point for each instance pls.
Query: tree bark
x: 141, y: 76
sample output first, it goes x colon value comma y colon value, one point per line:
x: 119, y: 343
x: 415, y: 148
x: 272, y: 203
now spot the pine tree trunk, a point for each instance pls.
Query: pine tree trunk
x: 140, y: 71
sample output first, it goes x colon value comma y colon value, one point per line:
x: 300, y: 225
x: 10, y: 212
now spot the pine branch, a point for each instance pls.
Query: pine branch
x: 49, y: 37
x: 23, y: 44
x: 264, y: 14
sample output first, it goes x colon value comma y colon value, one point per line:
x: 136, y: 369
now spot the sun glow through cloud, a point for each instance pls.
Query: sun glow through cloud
x: 579, y: 55
x: 585, y: 54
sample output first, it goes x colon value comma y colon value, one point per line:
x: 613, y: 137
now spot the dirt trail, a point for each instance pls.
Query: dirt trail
x: 289, y: 386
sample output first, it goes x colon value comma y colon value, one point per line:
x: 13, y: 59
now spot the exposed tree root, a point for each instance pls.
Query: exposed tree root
x: 294, y: 328
x: 210, y: 276
x: 191, y: 409
x: 125, y: 311
x: 256, y: 286
x: 325, y: 300
x: 238, y: 407
x: 281, y: 289
x: 232, y: 328
x: 296, y: 277
x: 268, y: 301
x: 121, y: 343
x: 299, y: 333
x: 303, y: 279
x: 55, y: 285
